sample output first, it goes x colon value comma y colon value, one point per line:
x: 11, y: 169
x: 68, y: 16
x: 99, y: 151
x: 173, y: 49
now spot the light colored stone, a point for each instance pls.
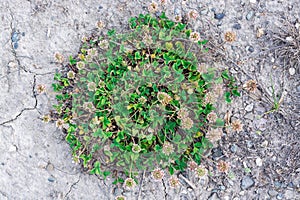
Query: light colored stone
x: 258, y: 162
x: 292, y: 71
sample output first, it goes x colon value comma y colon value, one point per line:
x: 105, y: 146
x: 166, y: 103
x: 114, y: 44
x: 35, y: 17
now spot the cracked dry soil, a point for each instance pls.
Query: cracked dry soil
x: 35, y: 161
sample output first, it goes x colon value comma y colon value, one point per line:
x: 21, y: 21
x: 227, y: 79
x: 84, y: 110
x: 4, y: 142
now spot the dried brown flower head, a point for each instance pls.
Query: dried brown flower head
x: 250, y: 86
x: 230, y: 36
x: 223, y: 166
x: 192, y: 165
x: 177, y: 18
x: 237, y: 126
x: 164, y: 98
x: 153, y: 7
x: 193, y: 14
x: 58, y: 57
x: 41, y: 89
x: 214, y: 135
x: 212, y: 117
x: 46, y: 118
x: 100, y: 25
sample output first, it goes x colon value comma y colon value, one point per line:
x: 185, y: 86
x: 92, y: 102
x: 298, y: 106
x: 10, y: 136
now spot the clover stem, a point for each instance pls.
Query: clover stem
x: 188, y: 50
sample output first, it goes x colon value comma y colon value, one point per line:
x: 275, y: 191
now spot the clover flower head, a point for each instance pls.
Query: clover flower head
x: 93, y: 52
x: 193, y: 14
x: 223, y: 166
x: 192, y: 165
x: 250, y: 86
x: 71, y: 75
x: 157, y: 174
x: 92, y: 86
x: 187, y: 123
x: 136, y: 148
x: 103, y: 44
x: 41, y: 89
x: 237, y: 126
x: 195, y: 36
x: 80, y: 65
x: 214, y: 135
x: 230, y: 36
x: 59, y: 57
x: 182, y: 113
x: 177, y: 18
x: 100, y: 25
x: 164, y: 98
x: 46, y: 118
x: 59, y: 123
x: 167, y: 148
x: 212, y: 117
x: 200, y: 171
x: 129, y: 183
x: 210, y: 97
x: 173, y: 181
x: 153, y: 7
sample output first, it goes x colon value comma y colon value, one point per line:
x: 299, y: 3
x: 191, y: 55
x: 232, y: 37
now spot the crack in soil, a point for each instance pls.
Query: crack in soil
x: 25, y: 109
x: 165, y: 189
x: 71, y: 187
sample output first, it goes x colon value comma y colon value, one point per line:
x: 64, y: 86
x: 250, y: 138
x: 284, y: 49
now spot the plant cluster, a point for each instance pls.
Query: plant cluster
x: 141, y: 100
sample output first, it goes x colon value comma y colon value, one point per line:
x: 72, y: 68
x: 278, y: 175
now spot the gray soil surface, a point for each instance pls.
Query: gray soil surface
x: 36, y: 162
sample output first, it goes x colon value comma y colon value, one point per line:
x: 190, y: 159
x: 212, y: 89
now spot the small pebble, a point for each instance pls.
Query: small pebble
x: 258, y: 162
x: 250, y: 15
x: 51, y: 179
x: 292, y: 71
x: 23, y: 34
x: 157, y: 14
x: 219, y: 16
x: 291, y: 185
x: 250, y: 48
x: 247, y: 182
x: 237, y: 26
x: 176, y: 11
x: 233, y: 148
x: 204, y: 11
x: 14, y: 37
x: 222, y: 187
x: 249, y: 107
x: 249, y: 144
x: 272, y: 193
x: 217, y: 152
x: 253, y: 1
x: 16, y: 45
x: 279, y: 196
x: 277, y: 184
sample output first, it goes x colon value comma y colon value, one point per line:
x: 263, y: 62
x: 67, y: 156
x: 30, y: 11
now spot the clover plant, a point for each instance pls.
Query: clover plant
x: 140, y: 100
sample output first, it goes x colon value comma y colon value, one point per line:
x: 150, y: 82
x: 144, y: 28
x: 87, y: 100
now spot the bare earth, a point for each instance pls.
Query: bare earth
x: 35, y: 161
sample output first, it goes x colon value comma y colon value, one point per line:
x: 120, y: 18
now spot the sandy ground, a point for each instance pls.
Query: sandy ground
x: 35, y: 161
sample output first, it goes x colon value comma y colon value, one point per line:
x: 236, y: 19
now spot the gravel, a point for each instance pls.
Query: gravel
x: 247, y: 182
